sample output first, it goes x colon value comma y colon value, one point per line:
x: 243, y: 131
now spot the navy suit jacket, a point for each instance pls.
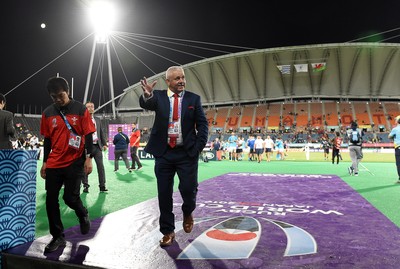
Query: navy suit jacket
x: 193, y: 122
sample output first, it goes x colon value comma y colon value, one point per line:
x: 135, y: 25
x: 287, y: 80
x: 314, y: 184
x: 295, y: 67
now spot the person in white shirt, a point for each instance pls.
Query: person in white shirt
x: 259, y: 148
x: 269, y: 146
x: 33, y: 141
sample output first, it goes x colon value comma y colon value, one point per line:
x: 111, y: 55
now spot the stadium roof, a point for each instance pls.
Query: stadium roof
x: 343, y: 71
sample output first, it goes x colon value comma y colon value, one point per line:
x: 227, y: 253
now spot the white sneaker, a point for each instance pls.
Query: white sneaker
x: 350, y: 169
x: 356, y: 174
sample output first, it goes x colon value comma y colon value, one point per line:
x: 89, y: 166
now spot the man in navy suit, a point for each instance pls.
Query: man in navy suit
x: 178, y: 136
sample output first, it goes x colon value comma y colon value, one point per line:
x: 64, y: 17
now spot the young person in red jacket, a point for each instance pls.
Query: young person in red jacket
x: 67, y: 128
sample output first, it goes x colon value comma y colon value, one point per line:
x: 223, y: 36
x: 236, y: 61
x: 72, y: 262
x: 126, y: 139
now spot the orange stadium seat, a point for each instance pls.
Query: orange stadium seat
x: 361, y: 112
x: 210, y: 115
x: 331, y: 114
x: 346, y: 113
x: 316, y: 115
x: 392, y: 109
x: 377, y: 114
x: 221, y: 118
x: 234, y: 116
x: 261, y: 116
x: 247, y: 116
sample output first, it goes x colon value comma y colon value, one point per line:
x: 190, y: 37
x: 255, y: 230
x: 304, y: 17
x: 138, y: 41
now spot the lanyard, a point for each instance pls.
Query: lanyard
x: 66, y: 122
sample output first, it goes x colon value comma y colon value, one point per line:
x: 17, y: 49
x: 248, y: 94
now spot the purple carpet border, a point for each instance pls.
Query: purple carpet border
x: 295, y: 214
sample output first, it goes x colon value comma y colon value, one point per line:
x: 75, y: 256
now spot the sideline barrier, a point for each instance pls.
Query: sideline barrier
x: 17, y: 197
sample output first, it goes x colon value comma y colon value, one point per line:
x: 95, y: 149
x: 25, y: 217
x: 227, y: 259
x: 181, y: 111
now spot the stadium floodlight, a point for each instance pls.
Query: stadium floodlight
x: 102, y: 14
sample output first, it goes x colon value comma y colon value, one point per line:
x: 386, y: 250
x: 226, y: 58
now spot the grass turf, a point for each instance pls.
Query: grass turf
x: 376, y: 183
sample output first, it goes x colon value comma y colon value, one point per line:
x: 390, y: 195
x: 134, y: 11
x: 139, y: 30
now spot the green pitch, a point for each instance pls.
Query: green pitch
x: 376, y: 183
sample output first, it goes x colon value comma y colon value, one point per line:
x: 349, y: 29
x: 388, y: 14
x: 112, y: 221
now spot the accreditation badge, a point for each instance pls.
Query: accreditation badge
x: 173, y: 129
x: 74, y: 141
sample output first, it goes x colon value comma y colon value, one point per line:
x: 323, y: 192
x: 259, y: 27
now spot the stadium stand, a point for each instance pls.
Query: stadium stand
x: 146, y: 120
x: 297, y: 122
x: 222, y: 117
x: 346, y: 113
x: 302, y: 117
x: 261, y: 116
x: 247, y: 116
x: 316, y: 115
x: 362, y: 115
x: 210, y: 115
x: 392, y: 110
x: 274, y: 115
x: 377, y: 113
x: 331, y: 114
x: 234, y: 116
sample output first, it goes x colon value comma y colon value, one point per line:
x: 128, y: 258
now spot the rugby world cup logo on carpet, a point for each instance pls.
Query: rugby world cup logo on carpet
x: 237, y: 237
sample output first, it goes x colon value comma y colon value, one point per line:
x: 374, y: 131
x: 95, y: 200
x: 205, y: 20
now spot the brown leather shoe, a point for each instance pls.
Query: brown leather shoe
x: 167, y: 240
x: 188, y: 223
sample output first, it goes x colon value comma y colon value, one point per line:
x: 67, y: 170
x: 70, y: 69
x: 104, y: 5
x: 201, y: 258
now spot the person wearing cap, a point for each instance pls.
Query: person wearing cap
x: 395, y: 135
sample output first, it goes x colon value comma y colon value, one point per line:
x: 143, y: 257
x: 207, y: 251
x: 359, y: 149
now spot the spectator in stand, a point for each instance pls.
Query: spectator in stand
x: 33, y: 141
x: 336, y: 144
x: 134, y: 142
x: 20, y: 144
x: 395, y: 135
x: 121, y: 142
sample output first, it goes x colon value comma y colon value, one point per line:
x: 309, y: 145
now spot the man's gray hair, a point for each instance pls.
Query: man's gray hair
x: 172, y: 68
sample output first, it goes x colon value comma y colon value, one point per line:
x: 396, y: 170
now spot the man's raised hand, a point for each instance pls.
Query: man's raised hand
x: 147, y: 88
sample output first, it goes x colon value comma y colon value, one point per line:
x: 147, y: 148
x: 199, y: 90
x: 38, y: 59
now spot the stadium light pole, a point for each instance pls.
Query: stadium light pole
x: 102, y: 14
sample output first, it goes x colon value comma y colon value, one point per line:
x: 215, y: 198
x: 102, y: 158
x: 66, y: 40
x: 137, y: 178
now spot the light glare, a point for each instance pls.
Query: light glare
x: 103, y: 16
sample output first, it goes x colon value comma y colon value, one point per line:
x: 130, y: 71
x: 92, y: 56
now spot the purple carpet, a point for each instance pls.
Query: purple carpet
x: 242, y: 221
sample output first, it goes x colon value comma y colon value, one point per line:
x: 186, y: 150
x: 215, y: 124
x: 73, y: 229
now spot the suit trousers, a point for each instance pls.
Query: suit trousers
x: 98, y: 158
x: 175, y: 161
x: 71, y: 177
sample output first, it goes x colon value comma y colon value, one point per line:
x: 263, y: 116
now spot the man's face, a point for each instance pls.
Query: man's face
x: 60, y: 98
x: 90, y: 107
x: 176, y: 81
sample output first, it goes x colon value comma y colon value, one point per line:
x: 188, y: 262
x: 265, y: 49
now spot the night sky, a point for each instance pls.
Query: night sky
x: 28, y: 50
